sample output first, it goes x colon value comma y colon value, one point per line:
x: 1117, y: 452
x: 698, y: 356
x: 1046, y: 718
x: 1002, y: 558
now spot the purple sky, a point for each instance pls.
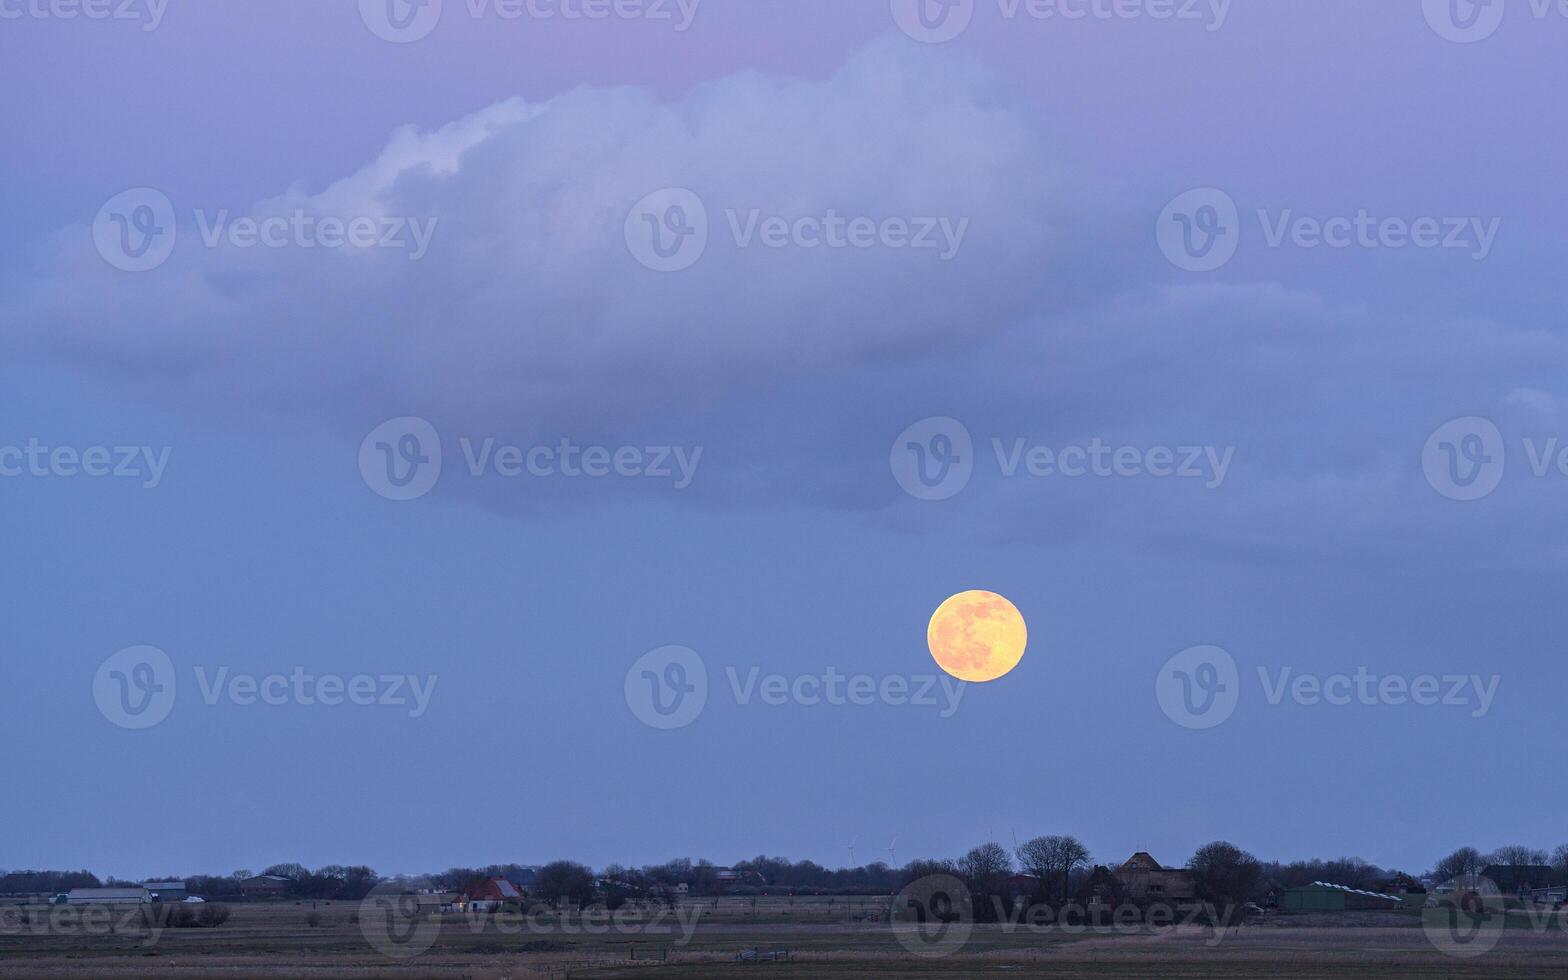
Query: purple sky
x: 1325, y: 548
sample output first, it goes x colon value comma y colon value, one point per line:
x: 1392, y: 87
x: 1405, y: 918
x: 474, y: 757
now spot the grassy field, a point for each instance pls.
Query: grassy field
x: 838, y: 938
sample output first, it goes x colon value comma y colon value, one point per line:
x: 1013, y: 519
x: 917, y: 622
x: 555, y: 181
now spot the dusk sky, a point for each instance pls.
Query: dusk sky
x: 1320, y: 432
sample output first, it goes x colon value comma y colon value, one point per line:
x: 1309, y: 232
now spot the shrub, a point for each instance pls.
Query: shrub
x: 211, y: 916
x: 313, y: 919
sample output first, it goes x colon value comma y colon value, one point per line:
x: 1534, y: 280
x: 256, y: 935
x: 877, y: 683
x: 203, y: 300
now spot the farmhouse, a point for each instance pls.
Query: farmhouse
x: 487, y: 895
x: 1322, y: 896
x: 265, y: 886
x: 1144, y: 880
x: 108, y: 896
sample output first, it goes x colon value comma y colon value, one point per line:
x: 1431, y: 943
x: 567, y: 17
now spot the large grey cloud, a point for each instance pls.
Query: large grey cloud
x: 530, y: 319
x: 530, y: 313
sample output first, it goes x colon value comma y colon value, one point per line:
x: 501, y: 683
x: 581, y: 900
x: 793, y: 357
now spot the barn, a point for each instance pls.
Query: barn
x: 1322, y: 896
x: 108, y: 896
x: 166, y: 891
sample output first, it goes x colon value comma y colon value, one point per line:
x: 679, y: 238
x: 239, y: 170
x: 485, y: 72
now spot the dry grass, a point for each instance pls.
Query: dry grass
x: 826, y: 939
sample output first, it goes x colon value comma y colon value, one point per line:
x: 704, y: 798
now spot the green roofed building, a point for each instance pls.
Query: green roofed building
x: 1321, y: 896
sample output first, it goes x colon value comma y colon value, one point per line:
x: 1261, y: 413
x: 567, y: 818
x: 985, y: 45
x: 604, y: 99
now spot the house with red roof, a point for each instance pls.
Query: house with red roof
x: 488, y: 895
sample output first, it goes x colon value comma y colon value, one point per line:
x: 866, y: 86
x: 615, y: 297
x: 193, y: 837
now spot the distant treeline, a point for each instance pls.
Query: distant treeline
x: 331, y: 882
x: 1058, y: 866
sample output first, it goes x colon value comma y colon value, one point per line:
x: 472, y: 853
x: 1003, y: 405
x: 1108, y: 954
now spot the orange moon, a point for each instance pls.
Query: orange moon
x: 977, y: 636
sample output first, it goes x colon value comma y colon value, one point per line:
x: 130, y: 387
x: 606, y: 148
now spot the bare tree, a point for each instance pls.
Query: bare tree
x: 1560, y: 862
x: 1516, y: 855
x: 986, y: 870
x: 1463, y: 863
x: 1037, y: 856
x: 1051, y: 857
x: 985, y: 864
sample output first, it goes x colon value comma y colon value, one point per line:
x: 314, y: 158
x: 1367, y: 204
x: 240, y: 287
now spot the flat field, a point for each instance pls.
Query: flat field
x: 837, y: 938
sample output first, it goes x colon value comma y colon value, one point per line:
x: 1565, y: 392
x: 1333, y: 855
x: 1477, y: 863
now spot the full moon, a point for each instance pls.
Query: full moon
x: 977, y: 636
